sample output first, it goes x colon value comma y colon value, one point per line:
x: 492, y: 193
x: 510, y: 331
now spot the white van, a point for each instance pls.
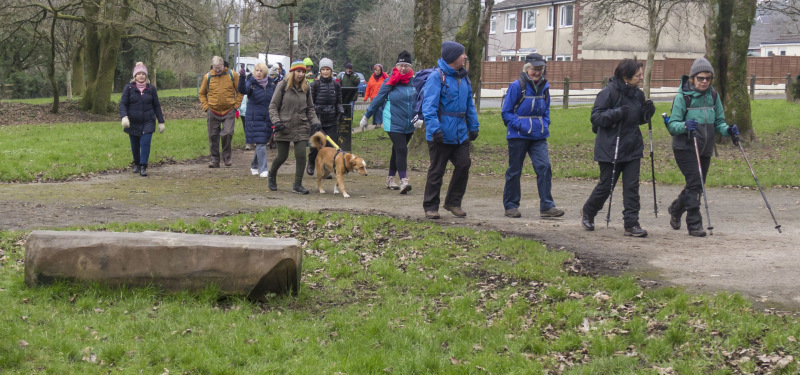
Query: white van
x: 269, y: 59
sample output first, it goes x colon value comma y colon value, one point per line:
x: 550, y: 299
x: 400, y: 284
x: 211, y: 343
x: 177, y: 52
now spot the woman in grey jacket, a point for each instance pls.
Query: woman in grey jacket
x: 292, y: 112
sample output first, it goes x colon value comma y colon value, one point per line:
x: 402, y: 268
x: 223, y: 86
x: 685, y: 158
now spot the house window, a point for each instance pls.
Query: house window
x: 566, y: 16
x: 770, y: 53
x: 550, y: 17
x: 564, y: 58
x: 529, y: 20
x: 493, y: 25
x: 782, y: 52
x: 492, y: 58
x: 511, y: 22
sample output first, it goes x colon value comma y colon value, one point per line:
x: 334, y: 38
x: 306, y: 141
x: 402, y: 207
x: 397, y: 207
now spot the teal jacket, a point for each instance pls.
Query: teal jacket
x: 708, y: 113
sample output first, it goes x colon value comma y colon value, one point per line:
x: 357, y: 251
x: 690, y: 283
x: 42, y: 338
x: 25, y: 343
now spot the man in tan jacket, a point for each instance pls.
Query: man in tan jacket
x: 220, y: 99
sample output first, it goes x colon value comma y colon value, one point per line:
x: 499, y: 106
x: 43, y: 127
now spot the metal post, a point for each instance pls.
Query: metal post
x: 789, y: 88
x: 566, y: 93
x: 291, y: 37
x: 753, y: 87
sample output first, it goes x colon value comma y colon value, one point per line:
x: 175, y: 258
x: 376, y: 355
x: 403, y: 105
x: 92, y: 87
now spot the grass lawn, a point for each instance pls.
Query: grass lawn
x: 189, y: 91
x: 381, y: 295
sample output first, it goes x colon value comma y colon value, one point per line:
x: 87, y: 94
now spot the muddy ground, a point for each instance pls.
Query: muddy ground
x: 745, y: 254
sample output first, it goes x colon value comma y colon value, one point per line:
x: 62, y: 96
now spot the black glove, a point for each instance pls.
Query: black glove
x: 622, y: 112
x: 341, y: 117
x: 473, y: 135
x: 438, y: 137
x: 648, y: 109
x: 279, y: 127
x: 315, y: 128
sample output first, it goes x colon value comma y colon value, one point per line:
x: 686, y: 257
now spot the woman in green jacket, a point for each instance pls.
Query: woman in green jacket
x: 696, y: 114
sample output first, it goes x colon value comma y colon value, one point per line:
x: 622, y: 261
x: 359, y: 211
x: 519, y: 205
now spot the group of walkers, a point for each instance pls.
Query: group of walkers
x: 289, y: 109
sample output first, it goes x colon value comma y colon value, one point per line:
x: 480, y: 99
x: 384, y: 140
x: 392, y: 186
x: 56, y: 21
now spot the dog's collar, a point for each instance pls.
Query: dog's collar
x: 339, y: 152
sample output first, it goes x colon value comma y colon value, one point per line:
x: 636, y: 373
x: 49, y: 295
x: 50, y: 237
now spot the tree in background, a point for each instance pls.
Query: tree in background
x: 473, y: 35
x: 650, y: 16
x: 382, y: 32
x: 727, y: 38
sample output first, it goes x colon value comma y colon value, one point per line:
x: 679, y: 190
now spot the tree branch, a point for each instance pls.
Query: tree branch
x: 266, y: 3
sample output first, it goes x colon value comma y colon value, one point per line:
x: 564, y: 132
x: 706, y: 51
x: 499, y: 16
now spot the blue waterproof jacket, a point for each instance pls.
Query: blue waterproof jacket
x: 400, y: 101
x: 531, y: 120
x: 258, y: 126
x: 458, y: 116
x: 142, y: 109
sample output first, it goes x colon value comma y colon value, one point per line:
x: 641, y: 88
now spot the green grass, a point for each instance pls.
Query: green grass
x: 381, y: 295
x: 189, y: 91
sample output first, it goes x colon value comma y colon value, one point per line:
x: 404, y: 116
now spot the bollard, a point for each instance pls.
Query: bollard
x: 566, y: 93
x: 753, y: 87
x: 788, y: 90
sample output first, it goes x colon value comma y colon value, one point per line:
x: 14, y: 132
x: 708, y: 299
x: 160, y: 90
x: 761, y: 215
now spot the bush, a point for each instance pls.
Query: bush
x: 795, y: 89
x: 167, y: 79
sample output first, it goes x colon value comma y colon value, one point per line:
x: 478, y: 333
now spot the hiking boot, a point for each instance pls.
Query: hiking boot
x: 405, y: 187
x: 213, y: 164
x: 143, y: 170
x: 697, y: 232
x: 552, y: 212
x: 635, y: 231
x: 390, y: 183
x: 513, y: 212
x: 675, y: 219
x: 587, y: 222
x: 432, y: 214
x: 272, y: 183
x: 253, y: 171
x: 456, y: 211
x: 310, y: 168
x: 299, y: 189
x: 227, y: 163
x: 135, y: 168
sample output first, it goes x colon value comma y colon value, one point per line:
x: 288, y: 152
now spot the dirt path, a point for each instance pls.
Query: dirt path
x: 745, y: 254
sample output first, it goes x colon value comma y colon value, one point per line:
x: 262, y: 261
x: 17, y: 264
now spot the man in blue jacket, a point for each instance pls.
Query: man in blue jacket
x: 526, y: 113
x: 451, y: 124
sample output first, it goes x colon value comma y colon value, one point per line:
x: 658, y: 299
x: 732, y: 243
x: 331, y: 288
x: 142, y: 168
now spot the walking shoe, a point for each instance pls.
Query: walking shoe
x: 213, y: 164
x: 457, y: 211
x: 390, y: 184
x: 587, y: 222
x: 432, y: 214
x: 143, y: 170
x: 552, y: 212
x: 636, y: 231
x: 699, y: 232
x: 513, y: 212
x: 674, y: 219
x: 299, y: 189
x: 227, y: 163
x: 264, y: 174
x: 135, y: 168
x: 247, y: 147
x: 253, y: 171
x: 405, y: 187
x: 310, y: 168
x: 272, y: 183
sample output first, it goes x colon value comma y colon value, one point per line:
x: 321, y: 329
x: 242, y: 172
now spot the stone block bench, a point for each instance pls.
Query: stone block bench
x: 249, y: 266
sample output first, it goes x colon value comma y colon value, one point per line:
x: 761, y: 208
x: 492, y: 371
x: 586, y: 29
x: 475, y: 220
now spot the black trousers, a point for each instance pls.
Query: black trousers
x: 440, y: 154
x: 630, y: 190
x: 331, y: 131
x: 398, y: 160
x: 689, y: 199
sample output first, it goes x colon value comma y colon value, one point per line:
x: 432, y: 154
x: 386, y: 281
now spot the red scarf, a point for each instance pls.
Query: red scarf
x: 401, y: 78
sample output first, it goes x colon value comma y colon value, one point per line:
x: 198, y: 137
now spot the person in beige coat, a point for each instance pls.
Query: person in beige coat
x: 292, y: 112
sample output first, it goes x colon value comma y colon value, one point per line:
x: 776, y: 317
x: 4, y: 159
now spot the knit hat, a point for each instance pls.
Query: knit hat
x: 326, y: 63
x: 404, y: 57
x: 378, y: 65
x: 139, y: 68
x: 451, y: 51
x: 348, y: 66
x: 275, y: 70
x: 297, y: 65
x: 700, y: 65
x: 308, y: 61
x: 535, y: 59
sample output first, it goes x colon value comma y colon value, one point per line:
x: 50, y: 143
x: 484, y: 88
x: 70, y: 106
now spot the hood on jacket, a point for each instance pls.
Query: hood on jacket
x: 449, y: 71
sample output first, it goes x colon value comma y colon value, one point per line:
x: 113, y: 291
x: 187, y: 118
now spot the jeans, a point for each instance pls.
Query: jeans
x: 140, y: 148
x: 440, y: 154
x: 260, y: 158
x: 630, y: 190
x: 537, y: 151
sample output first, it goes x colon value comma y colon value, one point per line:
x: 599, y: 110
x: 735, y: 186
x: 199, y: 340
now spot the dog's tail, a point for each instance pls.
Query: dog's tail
x: 318, y: 140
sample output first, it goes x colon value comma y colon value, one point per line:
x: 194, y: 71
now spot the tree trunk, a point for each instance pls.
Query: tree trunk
x: 652, y: 46
x: 102, y: 47
x: 51, y: 66
x: 472, y: 35
x: 727, y: 39
x: 153, y: 70
x: 78, y: 73
x: 427, y: 48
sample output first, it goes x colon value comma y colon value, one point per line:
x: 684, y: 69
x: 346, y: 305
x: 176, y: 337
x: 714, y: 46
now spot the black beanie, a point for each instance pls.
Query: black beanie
x: 404, y: 57
x: 451, y: 51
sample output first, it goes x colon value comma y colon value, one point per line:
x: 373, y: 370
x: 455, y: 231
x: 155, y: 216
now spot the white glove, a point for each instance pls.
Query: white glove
x: 363, y: 122
x: 419, y: 123
x: 126, y: 123
x: 161, y: 128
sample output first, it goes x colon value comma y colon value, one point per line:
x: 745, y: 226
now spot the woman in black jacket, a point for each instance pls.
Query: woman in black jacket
x: 327, y: 95
x: 617, y: 113
x: 139, y: 108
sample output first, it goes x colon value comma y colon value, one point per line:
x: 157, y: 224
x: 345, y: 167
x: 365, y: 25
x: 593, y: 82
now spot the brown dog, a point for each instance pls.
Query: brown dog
x: 331, y: 160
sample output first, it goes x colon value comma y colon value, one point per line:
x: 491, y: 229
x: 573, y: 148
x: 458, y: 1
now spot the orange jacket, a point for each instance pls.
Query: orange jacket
x: 373, y: 86
x: 222, y: 95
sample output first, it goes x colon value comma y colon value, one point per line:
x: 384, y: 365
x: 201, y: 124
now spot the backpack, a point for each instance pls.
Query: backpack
x: 521, y: 97
x: 419, y: 84
x: 687, y: 99
x: 230, y: 74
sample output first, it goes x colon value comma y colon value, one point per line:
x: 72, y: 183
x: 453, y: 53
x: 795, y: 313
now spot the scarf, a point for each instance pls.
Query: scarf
x: 141, y: 86
x: 379, y: 76
x: 263, y: 82
x: 537, y: 85
x: 396, y: 77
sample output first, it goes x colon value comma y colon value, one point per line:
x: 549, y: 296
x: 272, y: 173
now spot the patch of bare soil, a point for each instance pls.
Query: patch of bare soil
x: 745, y: 254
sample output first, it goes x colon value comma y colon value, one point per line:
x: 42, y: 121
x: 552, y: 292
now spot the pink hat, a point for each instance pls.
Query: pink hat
x: 139, y: 68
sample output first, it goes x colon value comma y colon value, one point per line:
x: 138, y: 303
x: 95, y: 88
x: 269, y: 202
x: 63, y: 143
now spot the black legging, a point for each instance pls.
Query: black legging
x: 330, y: 131
x: 283, y: 154
x: 398, y: 161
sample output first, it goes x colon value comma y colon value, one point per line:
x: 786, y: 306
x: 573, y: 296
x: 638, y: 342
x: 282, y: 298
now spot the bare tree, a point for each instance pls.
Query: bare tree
x: 427, y: 49
x: 313, y: 39
x: 473, y: 35
x: 650, y: 16
x: 384, y: 31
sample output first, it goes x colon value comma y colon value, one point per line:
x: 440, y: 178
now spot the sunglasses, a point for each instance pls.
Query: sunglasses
x: 704, y: 79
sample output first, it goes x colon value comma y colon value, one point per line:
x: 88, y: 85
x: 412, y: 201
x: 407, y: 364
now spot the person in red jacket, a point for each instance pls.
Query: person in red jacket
x: 373, y: 86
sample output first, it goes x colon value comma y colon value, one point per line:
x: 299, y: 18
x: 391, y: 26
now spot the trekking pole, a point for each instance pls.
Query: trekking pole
x: 613, y: 172
x: 653, y: 166
x: 735, y: 140
x: 702, y: 182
